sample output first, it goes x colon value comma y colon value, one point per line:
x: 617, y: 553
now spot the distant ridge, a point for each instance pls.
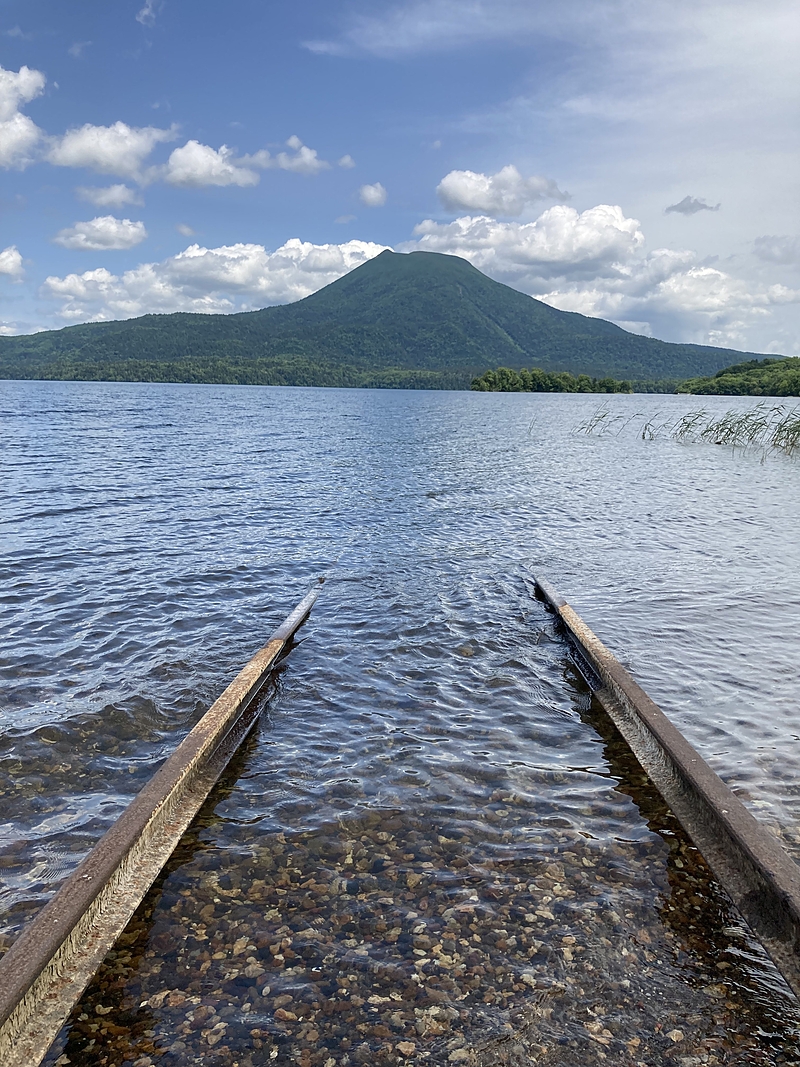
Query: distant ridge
x: 417, y: 320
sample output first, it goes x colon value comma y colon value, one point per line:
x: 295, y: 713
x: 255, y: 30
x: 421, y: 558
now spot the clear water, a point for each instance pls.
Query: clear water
x: 433, y: 849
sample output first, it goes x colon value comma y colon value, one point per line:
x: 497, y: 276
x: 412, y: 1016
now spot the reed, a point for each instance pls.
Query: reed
x: 604, y: 422
x: 767, y: 427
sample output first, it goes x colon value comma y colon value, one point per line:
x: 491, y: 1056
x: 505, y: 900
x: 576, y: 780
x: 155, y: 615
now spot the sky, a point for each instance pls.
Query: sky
x: 635, y: 160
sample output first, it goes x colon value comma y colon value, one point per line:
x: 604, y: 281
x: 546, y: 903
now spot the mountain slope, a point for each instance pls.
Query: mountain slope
x: 421, y: 319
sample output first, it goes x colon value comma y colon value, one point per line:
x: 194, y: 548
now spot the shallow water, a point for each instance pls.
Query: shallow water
x: 432, y: 813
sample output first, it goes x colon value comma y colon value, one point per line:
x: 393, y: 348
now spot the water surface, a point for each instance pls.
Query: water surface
x: 433, y: 846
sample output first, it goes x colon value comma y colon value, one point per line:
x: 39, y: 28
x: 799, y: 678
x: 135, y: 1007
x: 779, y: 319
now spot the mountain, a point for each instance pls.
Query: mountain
x: 766, y: 377
x: 419, y: 320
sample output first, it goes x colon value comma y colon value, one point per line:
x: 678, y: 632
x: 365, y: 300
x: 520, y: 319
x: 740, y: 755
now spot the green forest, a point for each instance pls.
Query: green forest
x: 765, y: 377
x: 504, y: 380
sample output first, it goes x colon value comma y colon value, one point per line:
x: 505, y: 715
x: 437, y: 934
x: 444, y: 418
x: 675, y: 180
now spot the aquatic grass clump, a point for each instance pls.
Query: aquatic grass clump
x: 770, y: 428
x: 604, y: 422
x: 786, y: 435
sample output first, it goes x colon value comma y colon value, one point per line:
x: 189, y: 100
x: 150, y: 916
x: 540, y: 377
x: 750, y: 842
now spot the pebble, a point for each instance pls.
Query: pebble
x: 393, y: 936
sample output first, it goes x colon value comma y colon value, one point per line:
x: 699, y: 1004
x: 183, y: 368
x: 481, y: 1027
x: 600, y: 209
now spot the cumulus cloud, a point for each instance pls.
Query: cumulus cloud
x: 108, y: 195
x: 692, y: 302
x: 185, y: 230
x: 230, y: 278
x: 102, y: 234
x: 783, y: 250
x: 690, y: 206
x: 347, y: 162
x: 560, y: 240
x: 303, y: 161
x: 504, y: 193
x: 11, y: 262
x: 198, y: 164
x: 117, y: 149
x: 124, y: 150
x: 19, y: 134
x: 372, y: 195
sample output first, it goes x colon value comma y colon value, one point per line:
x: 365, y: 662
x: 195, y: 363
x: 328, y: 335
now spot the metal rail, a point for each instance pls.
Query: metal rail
x: 747, y: 860
x: 50, y: 964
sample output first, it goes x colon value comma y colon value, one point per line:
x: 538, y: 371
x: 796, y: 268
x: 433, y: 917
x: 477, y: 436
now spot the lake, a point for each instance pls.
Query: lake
x: 433, y: 849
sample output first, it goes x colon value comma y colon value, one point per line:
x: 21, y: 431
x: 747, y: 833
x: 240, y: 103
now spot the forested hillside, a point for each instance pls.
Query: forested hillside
x: 421, y: 320
x: 765, y: 377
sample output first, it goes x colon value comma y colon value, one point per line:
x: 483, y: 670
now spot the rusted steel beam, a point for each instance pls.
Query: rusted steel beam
x: 50, y: 964
x: 747, y: 860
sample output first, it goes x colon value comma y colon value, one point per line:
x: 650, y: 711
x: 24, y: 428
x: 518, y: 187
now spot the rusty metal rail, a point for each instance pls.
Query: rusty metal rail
x: 50, y: 964
x: 745, y: 857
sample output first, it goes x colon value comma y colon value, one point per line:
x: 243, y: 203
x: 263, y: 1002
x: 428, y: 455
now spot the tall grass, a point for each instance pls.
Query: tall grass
x: 775, y: 428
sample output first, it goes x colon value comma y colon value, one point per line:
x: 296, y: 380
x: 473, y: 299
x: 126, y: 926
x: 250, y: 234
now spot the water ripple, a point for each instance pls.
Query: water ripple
x: 428, y: 723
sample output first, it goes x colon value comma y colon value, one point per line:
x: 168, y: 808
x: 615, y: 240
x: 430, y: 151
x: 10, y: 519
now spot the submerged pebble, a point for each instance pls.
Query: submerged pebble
x: 387, y: 938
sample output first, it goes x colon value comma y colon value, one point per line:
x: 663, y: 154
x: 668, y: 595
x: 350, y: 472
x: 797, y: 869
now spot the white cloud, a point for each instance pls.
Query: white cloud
x: 77, y: 49
x: 117, y: 149
x: 428, y: 26
x: 421, y: 26
x: 123, y: 150
x: 195, y: 164
x: 19, y: 135
x: 504, y: 193
x: 372, y: 195
x: 101, y: 234
x: 108, y: 195
x: 11, y: 262
x: 304, y: 160
x: 347, y: 162
x: 560, y: 240
x: 342, y: 220
x: 709, y: 290
x: 231, y: 278
x: 198, y: 164
x: 424, y: 26
x: 18, y: 88
x: 147, y: 14
x: 184, y: 230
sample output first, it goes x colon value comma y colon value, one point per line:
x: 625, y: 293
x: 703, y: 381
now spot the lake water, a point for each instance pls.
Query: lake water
x: 433, y: 849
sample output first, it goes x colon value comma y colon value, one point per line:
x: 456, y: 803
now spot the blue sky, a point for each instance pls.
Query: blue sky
x: 629, y: 160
